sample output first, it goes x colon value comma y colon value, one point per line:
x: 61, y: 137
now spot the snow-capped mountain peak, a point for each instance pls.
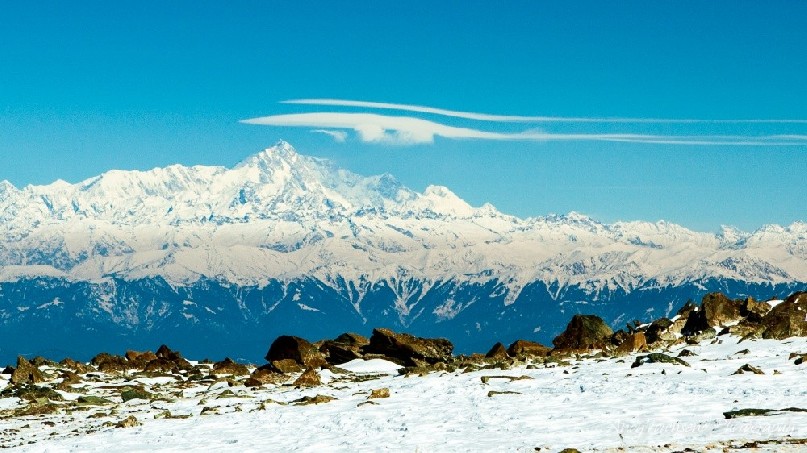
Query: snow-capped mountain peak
x: 278, y: 199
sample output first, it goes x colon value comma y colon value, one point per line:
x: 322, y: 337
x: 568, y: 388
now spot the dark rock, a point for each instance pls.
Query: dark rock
x: 78, y: 367
x: 8, y: 370
x: 497, y: 352
x: 657, y: 357
x: 131, y: 393
x: 344, y: 348
x: 656, y: 329
x: 164, y: 352
x: 754, y: 311
x: 750, y: 412
x: 26, y: 373
x: 748, y: 369
x: 715, y: 311
x: 708, y: 334
x: 31, y: 392
x: 162, y: 365
x: 800, y: 359
x: 584, y: 332
x: 788, y: 319
x: 297, y: 349
x: 524, y: 348
x: 109, y: 363
x: 39, y: 361
x: 90, y: 400
x: 309, y: 378
x: 228, y: 366
x: 69, y: 377
x: 409, y: 348
x: 140, y: 359
x: 686, y: 353
x: 313, y: 400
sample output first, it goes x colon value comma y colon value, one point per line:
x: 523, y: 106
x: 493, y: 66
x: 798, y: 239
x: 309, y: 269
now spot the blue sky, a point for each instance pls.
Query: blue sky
x: 90, y: 86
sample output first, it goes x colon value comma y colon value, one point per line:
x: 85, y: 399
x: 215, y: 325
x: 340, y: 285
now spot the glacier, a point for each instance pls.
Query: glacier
x: 217, y: 260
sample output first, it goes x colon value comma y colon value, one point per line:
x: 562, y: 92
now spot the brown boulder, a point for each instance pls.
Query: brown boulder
x: 409, y: 349
x: 286, y: 366
x: 295, y: 348
x: 228, y: 366
x: 78, y: 367
x: 788, y: 319
x: 309, y: 378
x: 719, y: 310
x: 716, y: 310
x: 524, y: 348
x: 634, y: 342
x: 662, y: 329
x: 265, y: 376
x: 26, y: 373
x: 161, y: 365
x: 584, y: 332
x: 754, y: 311
x: 497, y: 352
x: 140, y: 359
x: 344, y: 348
x: 109, y: 363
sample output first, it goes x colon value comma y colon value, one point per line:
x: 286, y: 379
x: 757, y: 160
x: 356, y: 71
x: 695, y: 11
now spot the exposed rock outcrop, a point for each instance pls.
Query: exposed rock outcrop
x: 295, y: 348
x: 584, y: 332
x: 409, y: 349
x: 26, y: 373
x: 524, y: 349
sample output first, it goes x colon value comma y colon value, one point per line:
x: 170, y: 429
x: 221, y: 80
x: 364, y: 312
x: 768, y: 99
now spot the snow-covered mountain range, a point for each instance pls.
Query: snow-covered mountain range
x: 287, y: 243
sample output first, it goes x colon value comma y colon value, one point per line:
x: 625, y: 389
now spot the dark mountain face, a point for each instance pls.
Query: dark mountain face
x: 55, y: 317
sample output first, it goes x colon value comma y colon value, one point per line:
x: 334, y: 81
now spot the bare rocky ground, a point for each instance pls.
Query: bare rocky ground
x: 727, y: 375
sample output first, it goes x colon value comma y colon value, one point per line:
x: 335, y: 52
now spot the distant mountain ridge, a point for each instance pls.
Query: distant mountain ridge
x: 286, y: 242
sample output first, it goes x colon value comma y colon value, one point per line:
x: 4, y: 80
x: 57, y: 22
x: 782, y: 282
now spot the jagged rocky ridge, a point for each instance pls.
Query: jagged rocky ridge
x: 215, y: 260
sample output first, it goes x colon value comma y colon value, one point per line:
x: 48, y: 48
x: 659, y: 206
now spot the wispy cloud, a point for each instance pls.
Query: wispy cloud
x: 376, y: 128
x: 522, y: 119
x: 339, y: 136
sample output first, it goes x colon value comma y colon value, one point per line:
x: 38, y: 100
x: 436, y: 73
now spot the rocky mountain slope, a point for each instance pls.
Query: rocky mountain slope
x: 212, y: 259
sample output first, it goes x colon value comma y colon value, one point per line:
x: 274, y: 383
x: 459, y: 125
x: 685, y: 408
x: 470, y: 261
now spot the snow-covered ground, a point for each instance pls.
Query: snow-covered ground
x: 590, y: 404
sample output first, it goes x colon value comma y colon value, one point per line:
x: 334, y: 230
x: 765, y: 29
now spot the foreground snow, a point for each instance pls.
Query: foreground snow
x: 589, y: 404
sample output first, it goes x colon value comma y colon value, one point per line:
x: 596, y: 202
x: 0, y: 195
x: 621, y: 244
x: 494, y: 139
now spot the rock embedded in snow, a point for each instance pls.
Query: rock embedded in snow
x: 527, y: 349
x: 344, y: 348
x: 657, y: 357
x: 746, y: 369
x: 409, y: 349
x: 26, y: 373
x: 295, y: 348
x: 309, y: 378
x: 584, y: 332
x: 787, y: 319
x: 633, y: 343
x: 228, y: 366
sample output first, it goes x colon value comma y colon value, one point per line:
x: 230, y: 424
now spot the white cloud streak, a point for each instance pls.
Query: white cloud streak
x: 375, y: 128
x: 521, y: 119
x: 338, y: 136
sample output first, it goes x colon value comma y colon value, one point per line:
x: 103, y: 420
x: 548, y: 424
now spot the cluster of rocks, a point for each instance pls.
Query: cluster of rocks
x: 287, y: 355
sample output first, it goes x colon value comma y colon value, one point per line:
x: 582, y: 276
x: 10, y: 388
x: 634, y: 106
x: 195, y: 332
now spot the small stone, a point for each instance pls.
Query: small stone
x: 128, y: 422
x: 379, y: 393
x: 748, y: 369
